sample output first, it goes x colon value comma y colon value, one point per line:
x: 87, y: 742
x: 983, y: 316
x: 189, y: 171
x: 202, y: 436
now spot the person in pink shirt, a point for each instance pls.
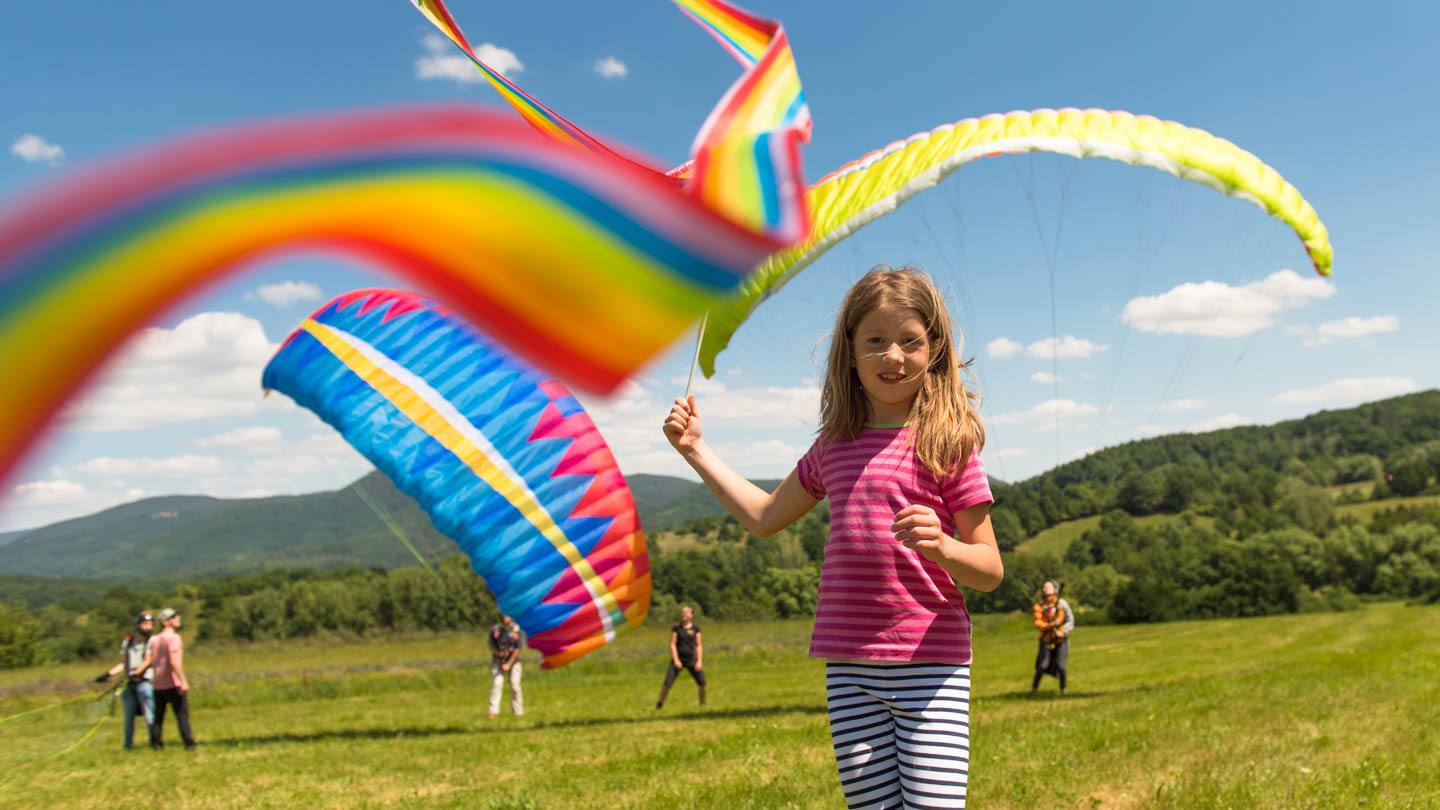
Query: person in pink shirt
x: 172, y: 688
x: 898, y: 456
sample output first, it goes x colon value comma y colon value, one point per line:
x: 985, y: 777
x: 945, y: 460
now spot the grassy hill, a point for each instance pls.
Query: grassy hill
x: 1288, y: 712
x: 191, y: 537
x: 188, y: 537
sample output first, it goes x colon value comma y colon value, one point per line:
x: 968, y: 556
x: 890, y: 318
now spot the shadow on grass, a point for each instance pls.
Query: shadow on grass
x: 1054, y: 694
x: 508, y: 726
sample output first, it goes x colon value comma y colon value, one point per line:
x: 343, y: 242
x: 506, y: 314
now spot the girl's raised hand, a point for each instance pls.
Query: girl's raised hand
x: 918, y: 527
x: 682, y: 426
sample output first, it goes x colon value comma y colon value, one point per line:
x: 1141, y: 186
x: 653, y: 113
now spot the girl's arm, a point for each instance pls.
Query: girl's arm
x: 972, y: 559
x: 674, y: 655
x: 699, y: 652
x: 763, y: 513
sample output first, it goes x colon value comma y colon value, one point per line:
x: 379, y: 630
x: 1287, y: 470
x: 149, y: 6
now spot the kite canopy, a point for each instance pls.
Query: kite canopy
x: 504, y: 460
x: 864, y: 190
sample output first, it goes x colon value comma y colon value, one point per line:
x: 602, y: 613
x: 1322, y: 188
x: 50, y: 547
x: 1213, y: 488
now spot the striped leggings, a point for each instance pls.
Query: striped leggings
x: 901, y: 733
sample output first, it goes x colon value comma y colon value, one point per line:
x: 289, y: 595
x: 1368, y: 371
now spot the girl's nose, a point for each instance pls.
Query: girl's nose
x: 893, y: 352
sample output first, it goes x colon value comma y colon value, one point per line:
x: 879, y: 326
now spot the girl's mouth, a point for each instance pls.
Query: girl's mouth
x: 892, y: 376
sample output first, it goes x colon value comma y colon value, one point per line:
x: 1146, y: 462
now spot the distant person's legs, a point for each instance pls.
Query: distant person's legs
x: 182, y: 717
x: 1042, y: 663
x: 497, y: 688
x: 1062, y: 658
x: 670, y: 673
x: 163, y: 700
x: 145, y: 692
x: 517, y: 703
x: 699, y: 676
x: 132, y: 707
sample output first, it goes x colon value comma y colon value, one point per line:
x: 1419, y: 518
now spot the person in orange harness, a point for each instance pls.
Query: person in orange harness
x: 1055, y: 621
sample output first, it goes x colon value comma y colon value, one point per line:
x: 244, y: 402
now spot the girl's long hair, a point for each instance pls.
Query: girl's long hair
x: 944, y: 418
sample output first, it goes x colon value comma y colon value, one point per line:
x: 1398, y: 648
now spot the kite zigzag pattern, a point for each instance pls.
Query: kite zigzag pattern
x: 618, y: 556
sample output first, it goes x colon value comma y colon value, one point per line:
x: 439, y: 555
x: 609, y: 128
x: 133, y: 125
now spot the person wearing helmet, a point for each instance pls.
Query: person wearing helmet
x: 139, y: 691
x: 1055, y: 621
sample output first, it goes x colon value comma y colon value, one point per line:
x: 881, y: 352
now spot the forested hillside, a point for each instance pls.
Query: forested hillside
x: 1240, y: 522
x: 1239, y: 475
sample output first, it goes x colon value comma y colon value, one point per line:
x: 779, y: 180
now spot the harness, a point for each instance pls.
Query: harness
x: 130, y: 680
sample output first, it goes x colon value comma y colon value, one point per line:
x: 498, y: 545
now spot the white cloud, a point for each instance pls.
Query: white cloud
x: 286, y: 293
x: 187, y: 465
x: 1048, y: 410
x: 502, y: 60
x: 1065, y: 348
x: 206, y: 368
x: 47, y: 493
x: 1345, y: 328
x: 1350, y: 389
x: 1009, y: 452
x: 259, y: 439
x: 1184, y: 405
x: 443, y: 61
x: 754, y: 407
x: 1228, y: 420
x: 1003, y: 347
x: 35, y: 149
x: 1215, y: 309
x: 1045, y: 377
x: 611, y: 68
x: 319, y: 455
x: 630, y: 420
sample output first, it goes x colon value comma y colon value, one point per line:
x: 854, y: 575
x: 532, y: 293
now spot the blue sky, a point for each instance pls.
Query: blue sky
x: 1334, y: 98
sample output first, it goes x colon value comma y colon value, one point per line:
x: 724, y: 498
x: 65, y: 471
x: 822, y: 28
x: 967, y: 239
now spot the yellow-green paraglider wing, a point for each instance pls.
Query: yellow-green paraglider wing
x: 864, y: 190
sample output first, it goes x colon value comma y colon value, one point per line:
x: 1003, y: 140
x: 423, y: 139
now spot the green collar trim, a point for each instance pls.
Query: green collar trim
x: 887, y: 424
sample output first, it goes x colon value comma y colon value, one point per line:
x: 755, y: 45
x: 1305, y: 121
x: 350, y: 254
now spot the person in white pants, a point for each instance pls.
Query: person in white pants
x: 506, y: 639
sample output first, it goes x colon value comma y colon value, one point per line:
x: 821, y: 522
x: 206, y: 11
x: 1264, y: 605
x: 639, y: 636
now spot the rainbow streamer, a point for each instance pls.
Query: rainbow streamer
x: 505, y: 461
x: 746, y: 158
x: 585, y: 264
x: 538, y: 115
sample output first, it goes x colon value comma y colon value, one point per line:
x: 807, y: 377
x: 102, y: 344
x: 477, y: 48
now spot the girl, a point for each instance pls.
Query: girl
x: 899, y: 457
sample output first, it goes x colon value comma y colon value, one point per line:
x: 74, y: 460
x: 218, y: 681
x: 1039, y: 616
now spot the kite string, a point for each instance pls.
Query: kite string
x: 399, y: 532
x: 47, y: 706
x: 699, y: 338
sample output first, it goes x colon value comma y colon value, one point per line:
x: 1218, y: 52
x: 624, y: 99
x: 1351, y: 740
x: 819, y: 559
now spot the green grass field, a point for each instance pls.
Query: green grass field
x: 1057, y: 538
x: 1330, y: 710
x: 1365, y: 511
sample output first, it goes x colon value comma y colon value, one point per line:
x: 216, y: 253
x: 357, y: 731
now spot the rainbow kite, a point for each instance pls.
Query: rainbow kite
x: 584, y: 261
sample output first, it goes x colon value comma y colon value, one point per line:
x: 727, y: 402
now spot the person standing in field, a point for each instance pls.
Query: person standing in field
x: 687, y: 652
x: 172, y: 687
x: 506, y: 639
x: 139, y: 694
x: 898, y: 456
x: 1054, y: 620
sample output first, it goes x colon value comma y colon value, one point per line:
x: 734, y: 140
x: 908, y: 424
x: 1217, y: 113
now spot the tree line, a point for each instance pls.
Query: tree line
x: 1250, y: 529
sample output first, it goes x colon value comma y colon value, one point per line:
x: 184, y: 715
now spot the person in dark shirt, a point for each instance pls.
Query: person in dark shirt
x: 687, y: 652
x: 506, y: 639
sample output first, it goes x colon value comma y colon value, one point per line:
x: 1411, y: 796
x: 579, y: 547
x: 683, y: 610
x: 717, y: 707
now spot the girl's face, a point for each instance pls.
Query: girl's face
x: 892, y: 354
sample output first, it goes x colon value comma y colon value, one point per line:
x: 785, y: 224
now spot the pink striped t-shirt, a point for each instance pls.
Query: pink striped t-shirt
x: 880, y: 601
